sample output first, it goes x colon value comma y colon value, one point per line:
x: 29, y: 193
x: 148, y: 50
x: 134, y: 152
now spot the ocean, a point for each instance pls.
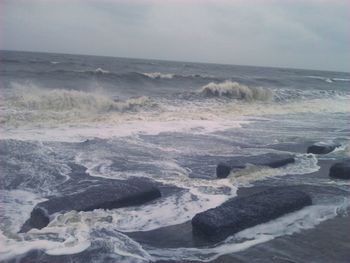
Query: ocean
x: 169, y: 123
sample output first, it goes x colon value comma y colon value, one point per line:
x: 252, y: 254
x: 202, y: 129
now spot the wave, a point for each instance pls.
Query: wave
x: 8, y: 60
x: 33, y: 98
x: 100, y: 72
x: 40, y: 61
x: 292, y: 95
x: 158, y: 75
x: 327, y: 79
x: 30, y: 106
x: 36, y: 107
x: 237, y: 91
x: 64, y: 71
x: 96, y: 71
x: 340, y: 79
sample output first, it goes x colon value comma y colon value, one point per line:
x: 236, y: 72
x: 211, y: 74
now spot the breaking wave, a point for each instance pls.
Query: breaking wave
x: 158, y: 75
x: 237, y: 91
x: 30, y: 104
x: 96, y: 71
x: 340, y: 79
x: 101, y: 71
x: 327, y: 79
x: 64, y: 100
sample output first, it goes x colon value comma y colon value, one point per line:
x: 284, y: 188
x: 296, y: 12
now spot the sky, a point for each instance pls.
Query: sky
x: 311, y: 34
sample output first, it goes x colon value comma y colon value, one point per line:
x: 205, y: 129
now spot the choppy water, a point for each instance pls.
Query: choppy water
x: 171, y: 122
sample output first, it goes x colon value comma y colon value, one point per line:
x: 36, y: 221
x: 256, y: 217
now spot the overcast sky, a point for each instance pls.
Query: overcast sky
x: 287, y: 33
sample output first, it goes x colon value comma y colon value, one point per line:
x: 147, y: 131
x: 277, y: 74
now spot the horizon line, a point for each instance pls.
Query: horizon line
x: 177, y: 61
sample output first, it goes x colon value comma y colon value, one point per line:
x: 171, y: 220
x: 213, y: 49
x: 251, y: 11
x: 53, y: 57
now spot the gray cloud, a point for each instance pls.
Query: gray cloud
x: 303, y: 34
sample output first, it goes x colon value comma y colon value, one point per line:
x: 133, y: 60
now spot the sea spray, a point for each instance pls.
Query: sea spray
x: 237, y: 91
x: 34, y: 98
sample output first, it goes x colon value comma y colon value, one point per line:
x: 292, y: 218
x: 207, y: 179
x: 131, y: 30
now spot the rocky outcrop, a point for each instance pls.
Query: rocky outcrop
x: 340, y: 170
x: 270, y: 159
x: 321, y: 148
x: 240, y: 213
x: 99, y: 193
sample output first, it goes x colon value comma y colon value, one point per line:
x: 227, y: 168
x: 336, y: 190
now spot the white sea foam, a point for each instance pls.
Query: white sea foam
x: 38, y: 172
x: 236, y: 90
x: 326, y: 79
x: 207, y: 117
x: 15, y: 208
x: 158, y: 75
x: 73, y: 231
x: 288, y: 224
x: 33, y: 113
x: 340, y: 79
x: 73, y: 238
x: 29, y: 111
x: 197, y: 195
x: 101, y: 71
x: 119, y: 128
x: 304, y: 164
x: 30, y: 105
x: 33, y: 98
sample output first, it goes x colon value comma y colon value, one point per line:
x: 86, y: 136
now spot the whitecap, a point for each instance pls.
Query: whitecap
x: 101, y: 71
x: 158, y: 75
x: 235, y: 90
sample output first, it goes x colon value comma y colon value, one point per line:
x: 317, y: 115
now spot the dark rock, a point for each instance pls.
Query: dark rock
x: 223, y: 169
x: 279, y: 162
x: 39, y: 218
x: 270, y: 159
x: 340, y: 170
x: 240, y: 213
x: 107, y: 194
x: 321, y: 148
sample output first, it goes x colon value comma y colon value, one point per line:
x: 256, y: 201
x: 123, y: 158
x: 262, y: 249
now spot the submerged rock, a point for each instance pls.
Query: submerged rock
x: 321, y: 148
x: 270, y: 159
x: 240, y: 213
x: 340, y: 170
x: 107, y: 194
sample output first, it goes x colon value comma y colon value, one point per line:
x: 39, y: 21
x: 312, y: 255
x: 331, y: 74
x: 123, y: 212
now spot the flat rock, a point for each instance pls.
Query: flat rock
x: 340, y: 170
x: 321, y: 148
x: 270, y: 159
x: 96, y: 194
x: 238, y: 214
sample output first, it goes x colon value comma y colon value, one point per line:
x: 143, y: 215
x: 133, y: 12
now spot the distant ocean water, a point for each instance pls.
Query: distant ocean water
x: 170, y: 122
